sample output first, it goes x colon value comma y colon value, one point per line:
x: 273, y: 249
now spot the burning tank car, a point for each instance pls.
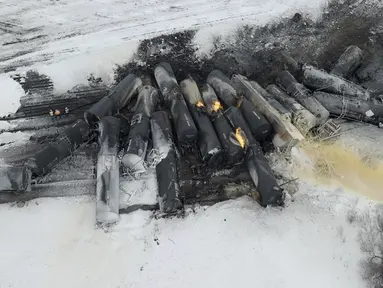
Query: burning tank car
x: 201, y: 144
x: 152, y: 142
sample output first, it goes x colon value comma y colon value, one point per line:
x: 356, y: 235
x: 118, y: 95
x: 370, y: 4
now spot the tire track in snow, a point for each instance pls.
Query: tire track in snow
x: 76, y: 27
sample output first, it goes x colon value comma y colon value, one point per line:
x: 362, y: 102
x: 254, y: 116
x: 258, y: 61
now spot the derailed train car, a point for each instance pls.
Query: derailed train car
x: 15, y: 179
x: 208, y: 142
x: 108, y: 172
x: 166, y: 169
x: 260, y: 171
x: 303, y: 95
x: 226, y: 135
x: 117, y: 98
x: 184, y: 126
x: 251, y: 128
x: 43, y: 161
x: 233, y: 153
x: 136, y: 142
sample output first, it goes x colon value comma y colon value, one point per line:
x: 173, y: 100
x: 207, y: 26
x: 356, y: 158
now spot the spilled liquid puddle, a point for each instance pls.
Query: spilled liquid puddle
x: 337, y: 165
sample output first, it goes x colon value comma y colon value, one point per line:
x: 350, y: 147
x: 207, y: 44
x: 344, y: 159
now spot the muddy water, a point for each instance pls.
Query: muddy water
x: 338, y: 165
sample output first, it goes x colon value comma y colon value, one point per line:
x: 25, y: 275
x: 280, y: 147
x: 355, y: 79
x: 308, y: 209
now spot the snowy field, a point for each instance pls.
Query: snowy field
x: 53, y: 242
x: 67, y: 39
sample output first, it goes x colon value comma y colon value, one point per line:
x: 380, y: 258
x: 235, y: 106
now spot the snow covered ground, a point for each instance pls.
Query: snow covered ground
x: 48, y: 31
x: 69, y: 39
x: 53, y: 242
x: 12, y: 92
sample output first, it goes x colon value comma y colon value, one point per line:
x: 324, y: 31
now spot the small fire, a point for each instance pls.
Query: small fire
x: 240, y: 136
x: 239, y: 101
x: 199, y: 104
x: 217, y: 105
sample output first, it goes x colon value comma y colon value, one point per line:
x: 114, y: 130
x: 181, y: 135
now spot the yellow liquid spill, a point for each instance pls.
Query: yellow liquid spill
x: 337, y: 165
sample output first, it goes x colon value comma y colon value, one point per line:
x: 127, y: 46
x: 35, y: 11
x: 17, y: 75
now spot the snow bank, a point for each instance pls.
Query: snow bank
x: 11, y: 92
x: 75, y: 70
x: 53, y: 243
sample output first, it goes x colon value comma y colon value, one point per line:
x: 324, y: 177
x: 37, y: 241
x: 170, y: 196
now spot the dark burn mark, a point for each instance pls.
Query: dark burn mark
x: 178, y: 50
x: 35, y: 83
x: 347, y: 24
x: 174, y: 48
x: 297, y: 17
x: 255, y: 51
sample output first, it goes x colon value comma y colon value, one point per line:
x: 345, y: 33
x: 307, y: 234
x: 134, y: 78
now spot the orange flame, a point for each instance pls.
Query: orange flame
x: 239, y: 101
x: 199, y: 104
x: 239, y: 135
x: 217, y: 105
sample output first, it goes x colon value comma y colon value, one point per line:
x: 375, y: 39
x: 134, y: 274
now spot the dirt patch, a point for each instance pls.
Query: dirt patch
x: 255, y: 51
x: 176, y: 49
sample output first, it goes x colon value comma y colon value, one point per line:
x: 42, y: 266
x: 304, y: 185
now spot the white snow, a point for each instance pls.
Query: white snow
x: 139, y: 191
x: 235, y: 243
x: 10, y: 94
x: 8, y: 137
x: 5, y: 125
x: 68, y: 39
x: 75, y: 70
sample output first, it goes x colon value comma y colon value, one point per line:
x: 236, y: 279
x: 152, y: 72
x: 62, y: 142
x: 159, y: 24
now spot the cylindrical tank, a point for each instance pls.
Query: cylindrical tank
x: 208, y: 142
x: 108, y: 173
x: 223, y: 88
x: 15, y: 179
x: 319, y: 80
x: 263, y: 177
x: 348, y: 62
x: 43, y: 162
x: 114, y: 101
x: 303, y: 96
x: 166, y: 169
x: 137, y: 140
x: 184, y: 126
x: 302, y: 118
